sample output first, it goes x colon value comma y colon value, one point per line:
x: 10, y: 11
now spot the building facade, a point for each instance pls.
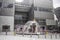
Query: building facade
x: 7, y: 16
x: 13, y: 13
x: 38, y: 10
x: 41, y: 10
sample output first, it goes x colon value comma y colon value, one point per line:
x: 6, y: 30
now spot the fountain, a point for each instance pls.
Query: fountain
x: 31, y: 27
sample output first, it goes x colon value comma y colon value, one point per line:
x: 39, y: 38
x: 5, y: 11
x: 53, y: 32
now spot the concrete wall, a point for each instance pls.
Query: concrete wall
x: 7, y: 15
x: 40, y: 3
x: 43, y: 3
x: 7, y: 11
x: 28, y: 1
x: 7, y: 20
x: 9, y: 1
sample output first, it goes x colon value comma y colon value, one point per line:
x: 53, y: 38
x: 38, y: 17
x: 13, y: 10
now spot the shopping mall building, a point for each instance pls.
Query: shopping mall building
x: 14, y: 13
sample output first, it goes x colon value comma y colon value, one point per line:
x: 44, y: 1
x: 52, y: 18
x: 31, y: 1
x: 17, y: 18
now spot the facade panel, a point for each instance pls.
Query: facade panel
x: 43, y: 9
x: 8, y: 8
x: 50, y: 22
x: 43, y: 3
x: 43, y: 15
x: 7, y: 20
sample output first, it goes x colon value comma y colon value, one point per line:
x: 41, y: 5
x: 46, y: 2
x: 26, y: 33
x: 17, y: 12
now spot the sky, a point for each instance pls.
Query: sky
x: 56, y: 3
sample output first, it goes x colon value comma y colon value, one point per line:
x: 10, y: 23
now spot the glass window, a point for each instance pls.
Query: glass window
x: 10, y: 6
x: 20, y: 18
x: 42, y: 21
x: 45, y: 9
x: 7, y: 5
x: 35, y: 8
x: 6, y: 28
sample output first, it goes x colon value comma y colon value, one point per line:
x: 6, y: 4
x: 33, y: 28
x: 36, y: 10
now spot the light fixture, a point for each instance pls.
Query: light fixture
x: 19, y: 0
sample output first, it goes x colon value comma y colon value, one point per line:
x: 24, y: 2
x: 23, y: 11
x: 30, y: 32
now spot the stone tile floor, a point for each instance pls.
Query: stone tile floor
x: 30, y: 37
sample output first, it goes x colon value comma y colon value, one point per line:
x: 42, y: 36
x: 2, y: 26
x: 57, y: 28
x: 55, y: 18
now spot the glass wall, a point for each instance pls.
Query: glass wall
x: 20, y: 17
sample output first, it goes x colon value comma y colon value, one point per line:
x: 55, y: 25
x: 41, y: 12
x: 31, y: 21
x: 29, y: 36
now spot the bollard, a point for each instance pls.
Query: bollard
x: 56, y: 36
x: 59, y: 35
x: 51, y: 36
x: 31, y: 35
x: 38, y: 35
x: 23, y: 34
x: 46, y: 34
x: 14, y: 33
x: 6, y: 32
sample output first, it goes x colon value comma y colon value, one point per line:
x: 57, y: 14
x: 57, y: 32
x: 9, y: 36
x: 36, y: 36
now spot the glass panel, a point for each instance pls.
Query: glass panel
x: 5, y: 28
x: 45, y: 9
x: 35, y: 8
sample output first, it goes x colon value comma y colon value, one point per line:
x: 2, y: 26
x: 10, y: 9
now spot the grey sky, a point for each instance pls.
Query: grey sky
x: 56, y: 3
